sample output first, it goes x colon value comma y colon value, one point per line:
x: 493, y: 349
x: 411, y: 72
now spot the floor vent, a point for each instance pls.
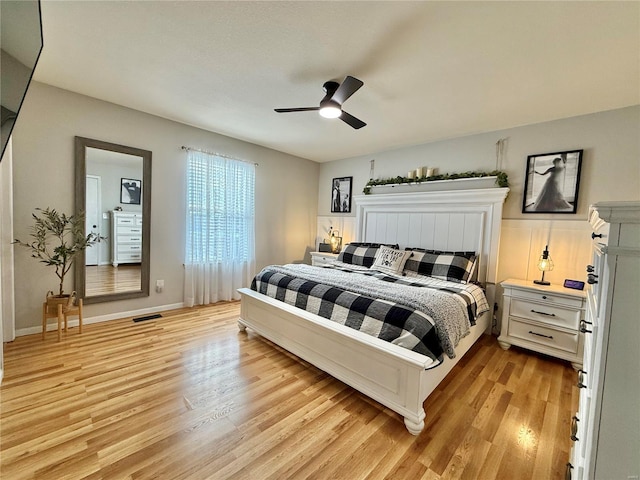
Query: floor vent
x: 148, y: 317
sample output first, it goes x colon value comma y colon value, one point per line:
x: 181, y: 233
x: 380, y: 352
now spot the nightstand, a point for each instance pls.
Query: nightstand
x: 322, y: 258
x: 544, y: 319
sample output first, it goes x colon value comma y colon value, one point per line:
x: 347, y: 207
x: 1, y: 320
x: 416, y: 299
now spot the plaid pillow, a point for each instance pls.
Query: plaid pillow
x: 452, y: 266
x: 363, y: 254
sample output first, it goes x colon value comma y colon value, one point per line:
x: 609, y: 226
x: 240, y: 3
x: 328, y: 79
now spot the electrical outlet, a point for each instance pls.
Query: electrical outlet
x: 159, y: 286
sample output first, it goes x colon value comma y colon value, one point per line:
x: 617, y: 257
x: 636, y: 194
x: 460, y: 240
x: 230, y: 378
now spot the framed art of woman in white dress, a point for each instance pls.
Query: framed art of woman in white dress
x: 551, y: 182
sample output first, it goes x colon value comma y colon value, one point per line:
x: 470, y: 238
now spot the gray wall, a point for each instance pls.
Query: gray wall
x: 15, y: 77
x: 43, y: 139
x: 610, y: 172
x: 610, y: 164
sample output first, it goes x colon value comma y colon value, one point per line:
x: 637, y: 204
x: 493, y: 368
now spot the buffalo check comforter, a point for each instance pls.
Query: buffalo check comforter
x: 423, y: 314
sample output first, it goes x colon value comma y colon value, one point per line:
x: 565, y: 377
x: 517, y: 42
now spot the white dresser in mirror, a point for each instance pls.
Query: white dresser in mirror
x: 126, y: 237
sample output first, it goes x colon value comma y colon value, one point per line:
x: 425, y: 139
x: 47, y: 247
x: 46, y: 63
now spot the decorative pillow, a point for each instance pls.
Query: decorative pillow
x: 452, y: 266
x: 357, y: 253
x: 390, y: 260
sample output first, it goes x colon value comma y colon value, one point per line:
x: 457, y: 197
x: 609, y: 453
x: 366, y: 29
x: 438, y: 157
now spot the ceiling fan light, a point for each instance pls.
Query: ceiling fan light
x: 330, y: 111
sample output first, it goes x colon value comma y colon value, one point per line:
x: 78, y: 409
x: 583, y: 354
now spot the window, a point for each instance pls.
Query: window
x: 220, y: 223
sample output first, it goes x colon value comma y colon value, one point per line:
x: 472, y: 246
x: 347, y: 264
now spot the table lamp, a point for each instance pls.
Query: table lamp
x: 545, y: 264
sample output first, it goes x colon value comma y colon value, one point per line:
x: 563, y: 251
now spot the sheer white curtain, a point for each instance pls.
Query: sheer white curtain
x: 220, y: 236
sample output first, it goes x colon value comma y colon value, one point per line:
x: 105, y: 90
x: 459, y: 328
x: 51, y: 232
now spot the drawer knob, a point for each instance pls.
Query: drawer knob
x: 574, y: 428
x: 541, y: 335
x: 591, y: 279
x: 583, y: 326
x: 581, y: 374
x: 544, y: 313
x: 567, y: 473
x: 595, y: 235
x: 590, y: 268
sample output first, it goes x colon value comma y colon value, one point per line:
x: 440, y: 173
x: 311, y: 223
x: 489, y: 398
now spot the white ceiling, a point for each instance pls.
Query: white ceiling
x: 431, y: 70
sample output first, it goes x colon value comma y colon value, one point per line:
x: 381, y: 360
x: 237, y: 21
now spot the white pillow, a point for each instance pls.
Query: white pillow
x: 389, y: 260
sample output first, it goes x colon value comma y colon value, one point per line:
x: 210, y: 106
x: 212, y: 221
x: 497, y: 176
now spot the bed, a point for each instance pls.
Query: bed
x: 395, y: 376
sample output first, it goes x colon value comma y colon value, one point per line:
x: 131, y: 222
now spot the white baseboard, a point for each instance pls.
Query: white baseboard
x: 100, y: 318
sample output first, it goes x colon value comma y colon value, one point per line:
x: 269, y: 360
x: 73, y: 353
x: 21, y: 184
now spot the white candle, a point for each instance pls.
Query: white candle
x: 411, y: 174
x: 429, y: 172
x: 419, y: 172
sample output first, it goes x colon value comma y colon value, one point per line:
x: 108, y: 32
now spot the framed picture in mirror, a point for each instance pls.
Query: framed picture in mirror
x: 130, y: 191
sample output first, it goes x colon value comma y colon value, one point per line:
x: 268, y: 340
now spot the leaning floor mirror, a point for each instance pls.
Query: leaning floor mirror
x: 113, y: 190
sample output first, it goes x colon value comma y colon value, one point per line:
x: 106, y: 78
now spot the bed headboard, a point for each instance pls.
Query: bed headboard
x: 445, y: 220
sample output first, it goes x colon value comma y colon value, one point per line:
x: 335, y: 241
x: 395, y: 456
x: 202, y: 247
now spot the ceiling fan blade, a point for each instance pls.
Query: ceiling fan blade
x: 346, y: 89
x: 301, y: 109
x: 351, y: 120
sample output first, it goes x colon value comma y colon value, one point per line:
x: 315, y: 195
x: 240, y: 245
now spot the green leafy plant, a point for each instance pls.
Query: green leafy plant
x: 502, y: 179
x: 57, y: 240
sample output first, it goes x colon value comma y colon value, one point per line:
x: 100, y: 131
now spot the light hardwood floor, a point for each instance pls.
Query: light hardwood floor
x: 188, y: 396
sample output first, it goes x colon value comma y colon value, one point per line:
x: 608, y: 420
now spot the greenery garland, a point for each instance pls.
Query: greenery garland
x: 501, y: 180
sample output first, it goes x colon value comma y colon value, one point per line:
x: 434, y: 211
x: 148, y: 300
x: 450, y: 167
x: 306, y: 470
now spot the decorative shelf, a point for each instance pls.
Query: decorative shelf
x: 436, y: 185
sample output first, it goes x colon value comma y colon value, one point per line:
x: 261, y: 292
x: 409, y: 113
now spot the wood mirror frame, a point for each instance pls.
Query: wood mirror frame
x: 81, y: 145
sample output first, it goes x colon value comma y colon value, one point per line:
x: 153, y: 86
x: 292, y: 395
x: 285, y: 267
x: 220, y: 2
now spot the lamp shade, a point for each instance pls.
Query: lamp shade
x: 545, y: 264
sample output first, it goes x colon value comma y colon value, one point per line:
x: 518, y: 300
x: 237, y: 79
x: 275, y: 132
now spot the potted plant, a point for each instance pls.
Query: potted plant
x: 57, y: 240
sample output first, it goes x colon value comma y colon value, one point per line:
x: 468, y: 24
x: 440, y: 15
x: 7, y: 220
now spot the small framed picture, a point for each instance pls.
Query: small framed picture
x: 130, y: 191
x: 551, y: 182
x: 341, y: 195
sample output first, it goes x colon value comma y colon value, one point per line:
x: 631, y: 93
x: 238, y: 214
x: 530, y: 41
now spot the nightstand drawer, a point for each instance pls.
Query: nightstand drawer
x: 567, y: 342
x: 322, y: 258
x: 548, y: 298
x: 546, y: 313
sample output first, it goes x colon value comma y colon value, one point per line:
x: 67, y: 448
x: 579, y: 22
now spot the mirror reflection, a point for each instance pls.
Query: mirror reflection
x: 114, y: 182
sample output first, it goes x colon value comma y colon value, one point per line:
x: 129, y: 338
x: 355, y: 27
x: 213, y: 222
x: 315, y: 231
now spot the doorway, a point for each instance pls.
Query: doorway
x: 93, y: 218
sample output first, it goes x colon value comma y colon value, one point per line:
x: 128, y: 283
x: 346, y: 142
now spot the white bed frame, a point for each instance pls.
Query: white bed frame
x: 392, y: 375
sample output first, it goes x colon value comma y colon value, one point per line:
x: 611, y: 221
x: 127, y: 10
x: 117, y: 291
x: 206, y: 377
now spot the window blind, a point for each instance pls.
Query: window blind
x: 220, y: 209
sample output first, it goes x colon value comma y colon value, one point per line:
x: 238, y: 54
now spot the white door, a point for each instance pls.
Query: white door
x: 7, y: 292
x: 93, y: 217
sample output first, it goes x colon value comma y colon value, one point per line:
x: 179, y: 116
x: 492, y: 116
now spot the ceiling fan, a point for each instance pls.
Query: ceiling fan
x: 331, y: 104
